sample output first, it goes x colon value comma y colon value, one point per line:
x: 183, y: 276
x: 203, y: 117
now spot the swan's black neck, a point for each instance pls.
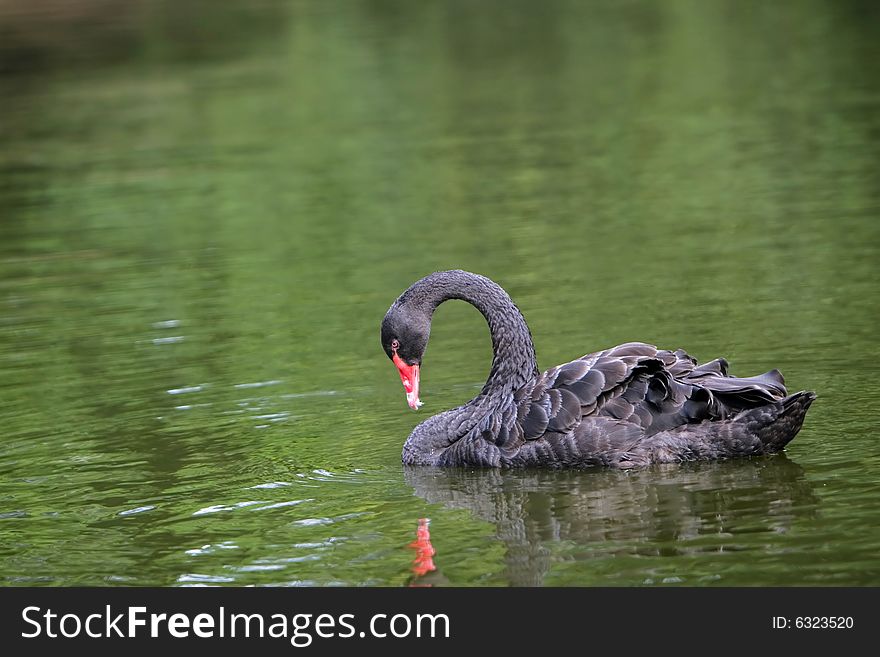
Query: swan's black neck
x: 513, y: 362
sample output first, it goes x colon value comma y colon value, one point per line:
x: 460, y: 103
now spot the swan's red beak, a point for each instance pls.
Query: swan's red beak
x: 409, y: 374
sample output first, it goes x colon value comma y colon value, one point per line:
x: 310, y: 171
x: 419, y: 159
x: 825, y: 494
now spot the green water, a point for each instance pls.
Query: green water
x: 206, y: 209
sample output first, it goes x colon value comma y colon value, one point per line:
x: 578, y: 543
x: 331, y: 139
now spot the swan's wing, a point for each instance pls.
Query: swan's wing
x: 640, y: 385
x: 566, y: 393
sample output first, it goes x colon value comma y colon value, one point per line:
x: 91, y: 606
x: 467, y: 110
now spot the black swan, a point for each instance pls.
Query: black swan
x: 631, y: 405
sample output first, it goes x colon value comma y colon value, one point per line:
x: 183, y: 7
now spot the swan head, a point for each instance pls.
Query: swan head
x: 405, y: 332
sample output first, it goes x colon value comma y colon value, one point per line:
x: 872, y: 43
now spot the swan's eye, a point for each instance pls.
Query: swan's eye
x: 395, y: 345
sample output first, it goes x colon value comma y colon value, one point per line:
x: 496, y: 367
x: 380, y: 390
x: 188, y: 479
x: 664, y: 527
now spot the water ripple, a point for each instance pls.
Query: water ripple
x: 197, y: 579
x: 136, y: 510
x: 311, y: 522
x: 169, y: 340
x: 258, y: 384
x: 278, y: 505
x: 169, y: 323
x: 273, y: 484
x: 186, y: 389
x: 212, y: 548
x: 217, y: 508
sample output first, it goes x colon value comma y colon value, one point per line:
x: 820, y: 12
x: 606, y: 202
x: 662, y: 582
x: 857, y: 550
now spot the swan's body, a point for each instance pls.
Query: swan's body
x: 627, y: 406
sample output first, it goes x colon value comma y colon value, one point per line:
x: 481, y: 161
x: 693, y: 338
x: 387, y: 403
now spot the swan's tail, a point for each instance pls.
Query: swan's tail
x: 778, y: 423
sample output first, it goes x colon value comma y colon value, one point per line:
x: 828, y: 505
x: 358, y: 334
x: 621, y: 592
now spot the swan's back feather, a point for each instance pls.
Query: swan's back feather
x: 608, y: 399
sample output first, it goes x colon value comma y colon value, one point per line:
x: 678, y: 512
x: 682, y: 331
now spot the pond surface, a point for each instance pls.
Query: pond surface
x: 205, y: 212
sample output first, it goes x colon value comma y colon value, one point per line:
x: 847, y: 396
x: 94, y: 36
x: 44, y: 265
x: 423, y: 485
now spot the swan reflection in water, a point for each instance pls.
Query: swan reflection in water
x: 657, y: 511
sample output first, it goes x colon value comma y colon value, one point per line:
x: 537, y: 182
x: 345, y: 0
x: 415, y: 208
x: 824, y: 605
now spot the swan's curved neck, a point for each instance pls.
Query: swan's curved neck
x: 513, y: 362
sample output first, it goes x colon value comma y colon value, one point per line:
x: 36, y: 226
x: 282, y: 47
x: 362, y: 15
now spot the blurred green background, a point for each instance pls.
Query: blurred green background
x: 206, y: 209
